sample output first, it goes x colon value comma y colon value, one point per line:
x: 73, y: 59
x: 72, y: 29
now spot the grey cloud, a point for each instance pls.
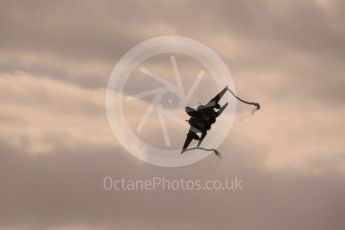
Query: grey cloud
x: 66, y: 188
x: 270, y: 36
x: 56, y: 146
x: 91, y: 31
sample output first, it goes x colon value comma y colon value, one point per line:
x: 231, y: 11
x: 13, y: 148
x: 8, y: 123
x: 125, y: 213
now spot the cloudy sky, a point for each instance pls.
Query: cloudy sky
x: 56, y: 145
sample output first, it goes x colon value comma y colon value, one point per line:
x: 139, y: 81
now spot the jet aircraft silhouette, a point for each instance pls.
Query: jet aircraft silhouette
x: 202, y: 118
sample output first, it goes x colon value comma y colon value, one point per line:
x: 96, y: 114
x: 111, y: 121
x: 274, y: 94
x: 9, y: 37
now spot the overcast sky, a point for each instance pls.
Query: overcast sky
x: 56, y: 145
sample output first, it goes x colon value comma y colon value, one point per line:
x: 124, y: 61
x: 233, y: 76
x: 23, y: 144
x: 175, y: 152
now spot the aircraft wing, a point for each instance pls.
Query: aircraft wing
x: 222, y: 109
x: 189, y: 138
x: 214, y: 101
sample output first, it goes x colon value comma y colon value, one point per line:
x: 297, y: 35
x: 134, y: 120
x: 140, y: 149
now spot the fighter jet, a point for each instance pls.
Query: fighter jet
x: 202, y: 118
